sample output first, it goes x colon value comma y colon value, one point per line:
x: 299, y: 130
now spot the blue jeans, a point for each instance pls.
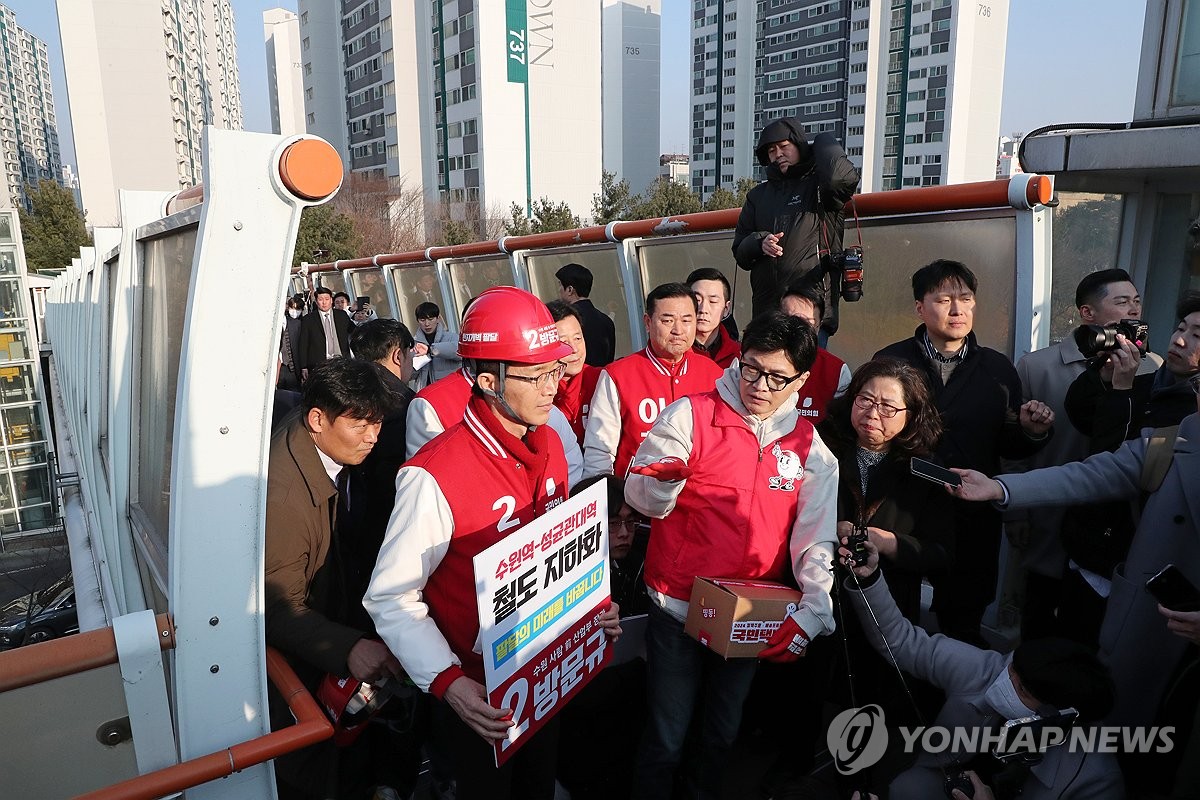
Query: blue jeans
x: 678, y: 669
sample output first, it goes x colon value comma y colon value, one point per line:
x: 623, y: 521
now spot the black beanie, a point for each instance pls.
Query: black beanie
x: 1065, y: 674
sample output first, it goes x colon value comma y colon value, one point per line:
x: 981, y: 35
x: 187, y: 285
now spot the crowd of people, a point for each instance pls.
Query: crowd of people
x: 754, y: 454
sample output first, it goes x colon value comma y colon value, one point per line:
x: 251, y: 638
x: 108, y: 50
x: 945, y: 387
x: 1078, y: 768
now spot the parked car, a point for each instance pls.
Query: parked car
x: 53, y: 614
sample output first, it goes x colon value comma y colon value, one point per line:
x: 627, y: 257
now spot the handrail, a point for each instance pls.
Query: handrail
x: 925, y: 199
x: 71, y: 655
x: 311, y: 727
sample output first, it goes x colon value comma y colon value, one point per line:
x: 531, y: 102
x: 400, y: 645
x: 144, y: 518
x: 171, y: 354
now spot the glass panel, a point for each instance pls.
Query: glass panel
x: 673, y: 259
x: 1186, y: 91
x: 298, y: 285
x: 14, y: 346
x: 470, y: 278
x: 6, y: 500
x: 608, y: 290
x: 37, y: 517
x: 1087, y: 232
x: 1175, y: 266
x: 6, y: 227
x: 32, y: 486
x: 333, y: 281
x: 8, y: 261
x: 22, y: 424
x: 417, y: 285
x: 27, y: 456
x: 17, y: 384
x: 167, y: 264
x: 369, y: 283
x: 12, y: 302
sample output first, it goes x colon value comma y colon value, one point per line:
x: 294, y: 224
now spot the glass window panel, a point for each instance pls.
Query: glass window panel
x: 1186, y: 91
x: 17, y: 384
x: 369, y: 283
x: 6, y: 500
x: 22, y: 424
x: 32, y: 486
x: 14, y: 345
x: 608, y: 290
x: 167, y: 264
x: 10, y: 522
x: 1175, y: 265
x: 35, y: 517
x: 12, y: 303
x: 417, y: 285
x: 6, y: 227
x: 298, y: 285
x: 8, y: 261
x: 470, y: 278
x: 1087, y: 232
x: 333, y: 281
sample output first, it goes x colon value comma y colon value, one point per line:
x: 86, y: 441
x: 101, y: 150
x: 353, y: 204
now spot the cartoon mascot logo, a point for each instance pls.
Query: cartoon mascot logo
x: 789, y: 468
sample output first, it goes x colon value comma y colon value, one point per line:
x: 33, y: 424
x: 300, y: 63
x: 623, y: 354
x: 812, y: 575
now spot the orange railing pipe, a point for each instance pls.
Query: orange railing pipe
x: 311, y: 727
x: 927, y: 199
x: 57, y: 658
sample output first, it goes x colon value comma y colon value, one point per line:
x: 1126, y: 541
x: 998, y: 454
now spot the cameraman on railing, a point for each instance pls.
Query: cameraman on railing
x: 791, y: 224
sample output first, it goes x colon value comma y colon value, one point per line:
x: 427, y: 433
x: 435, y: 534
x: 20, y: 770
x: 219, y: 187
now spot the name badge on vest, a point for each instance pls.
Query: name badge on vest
x: 790, y: 470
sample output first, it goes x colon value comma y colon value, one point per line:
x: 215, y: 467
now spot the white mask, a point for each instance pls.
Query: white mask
x: 1002, y: 697
x: 294, y: 313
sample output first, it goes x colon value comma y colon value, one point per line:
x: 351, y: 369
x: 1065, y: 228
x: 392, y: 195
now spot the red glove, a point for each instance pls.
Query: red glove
x: 668, y: 470
x: 788, y: 644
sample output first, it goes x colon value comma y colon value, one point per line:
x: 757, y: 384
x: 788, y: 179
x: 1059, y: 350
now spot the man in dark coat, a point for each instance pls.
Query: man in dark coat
x: 978, y: 393
x: 315, y: 345
x: 793, y: 216
x: 313, y: 587
x: 599, y: 332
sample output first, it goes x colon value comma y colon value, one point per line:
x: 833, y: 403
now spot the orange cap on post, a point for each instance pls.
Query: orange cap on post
x: 310, y: 169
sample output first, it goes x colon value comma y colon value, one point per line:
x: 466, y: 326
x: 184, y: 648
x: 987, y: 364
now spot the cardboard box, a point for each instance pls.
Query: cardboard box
x: 735, y: 618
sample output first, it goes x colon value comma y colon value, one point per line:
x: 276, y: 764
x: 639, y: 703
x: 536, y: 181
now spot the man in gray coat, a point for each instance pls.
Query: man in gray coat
x: 1134, y: 626
x: 983, y: 689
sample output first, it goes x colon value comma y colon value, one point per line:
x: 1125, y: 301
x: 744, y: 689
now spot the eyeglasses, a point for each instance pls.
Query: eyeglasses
x: 776, y: 383
x: 1194, y: 382
x: 631, y: 525
x: 885, y: 411
x: 544, y: 381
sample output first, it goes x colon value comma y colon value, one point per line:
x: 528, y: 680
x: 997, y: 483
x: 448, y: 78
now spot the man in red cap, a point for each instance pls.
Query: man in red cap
x: 473, y: 485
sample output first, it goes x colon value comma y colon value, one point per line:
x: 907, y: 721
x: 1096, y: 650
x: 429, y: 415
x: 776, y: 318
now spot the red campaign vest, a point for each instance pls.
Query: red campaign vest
x: 645, y: 386
x: 448, y: 397
x: 814, y: 396
x: 734, y: 517
x: 574, y: 398
x: 728, y: 350
x: 490, y: 497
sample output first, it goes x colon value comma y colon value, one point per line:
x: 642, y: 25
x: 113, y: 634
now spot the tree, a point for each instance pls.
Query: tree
x: 1085, y: 240
x: 387, y: 217
x: 328, y: 230
x: 54, y: 229
x: 518, y: 223
x: 547, y: 216
x: 666, y: 198
x: 614, y: 201
x: 742, y: 188
x: 720, y: 199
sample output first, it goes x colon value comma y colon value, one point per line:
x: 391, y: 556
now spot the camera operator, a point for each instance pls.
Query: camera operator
x: 1113, y: 402
x: 795, y: 215
x: 984, y: 689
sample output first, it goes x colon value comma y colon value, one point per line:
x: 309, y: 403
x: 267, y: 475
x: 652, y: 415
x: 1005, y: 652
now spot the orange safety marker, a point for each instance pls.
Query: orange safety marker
x: 310, y: 169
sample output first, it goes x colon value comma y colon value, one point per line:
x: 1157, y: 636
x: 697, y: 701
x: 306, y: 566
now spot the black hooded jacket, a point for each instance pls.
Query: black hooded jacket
x: 795, y: 203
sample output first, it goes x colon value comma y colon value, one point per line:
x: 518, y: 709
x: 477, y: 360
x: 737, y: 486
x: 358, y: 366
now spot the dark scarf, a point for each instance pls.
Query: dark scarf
x: 532, y: 451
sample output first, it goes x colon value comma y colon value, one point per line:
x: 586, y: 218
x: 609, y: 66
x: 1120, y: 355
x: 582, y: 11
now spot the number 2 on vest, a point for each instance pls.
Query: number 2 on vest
x: 509, y: 504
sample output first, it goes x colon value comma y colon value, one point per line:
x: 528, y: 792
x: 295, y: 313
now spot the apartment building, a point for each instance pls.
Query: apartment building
x: 28, y: 130
x: 285, y: 89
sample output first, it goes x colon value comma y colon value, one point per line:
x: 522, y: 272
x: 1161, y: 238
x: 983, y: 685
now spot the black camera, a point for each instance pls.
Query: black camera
x: 961, y: 782
x: 850, y: 263
x: 856, y: 544
x: 1093, y: 340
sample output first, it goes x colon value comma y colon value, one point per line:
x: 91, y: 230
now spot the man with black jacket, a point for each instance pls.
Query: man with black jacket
x: 789, y: 219
x: 978, y: 393
x: 599, y: 332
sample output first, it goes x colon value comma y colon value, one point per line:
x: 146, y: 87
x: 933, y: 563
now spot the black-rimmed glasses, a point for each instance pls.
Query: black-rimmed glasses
x: 776, y: 383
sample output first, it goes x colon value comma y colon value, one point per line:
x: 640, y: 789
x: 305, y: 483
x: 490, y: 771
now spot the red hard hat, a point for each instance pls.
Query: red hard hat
x: 350, y: 705
x: 510, y: 324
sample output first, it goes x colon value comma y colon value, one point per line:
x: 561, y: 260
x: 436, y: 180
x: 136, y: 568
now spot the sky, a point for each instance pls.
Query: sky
x: 1066, y: 61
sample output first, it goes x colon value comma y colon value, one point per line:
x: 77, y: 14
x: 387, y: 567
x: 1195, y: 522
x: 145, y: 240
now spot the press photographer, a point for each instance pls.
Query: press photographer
x: 984, y: 689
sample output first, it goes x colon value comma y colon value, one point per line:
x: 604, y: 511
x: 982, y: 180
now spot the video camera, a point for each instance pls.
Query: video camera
x: 1095, y: 340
